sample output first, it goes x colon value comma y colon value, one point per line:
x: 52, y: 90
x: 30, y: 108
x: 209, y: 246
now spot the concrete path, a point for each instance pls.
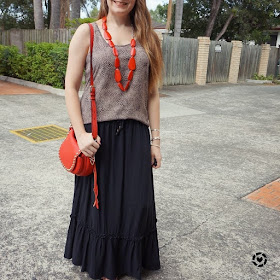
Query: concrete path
x: 219, y: 143
x: 7, y: 88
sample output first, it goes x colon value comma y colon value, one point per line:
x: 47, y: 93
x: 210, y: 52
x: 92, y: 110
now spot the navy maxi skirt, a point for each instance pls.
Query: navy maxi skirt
x: 119, y: 238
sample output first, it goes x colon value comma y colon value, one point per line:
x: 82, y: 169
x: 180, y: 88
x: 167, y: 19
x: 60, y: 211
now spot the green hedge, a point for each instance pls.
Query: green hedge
x: 43, y: 63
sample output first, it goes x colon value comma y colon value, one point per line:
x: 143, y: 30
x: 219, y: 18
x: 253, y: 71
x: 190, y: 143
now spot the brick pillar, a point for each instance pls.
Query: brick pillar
x: 202, y: 60
x: 235, y: 61
x: 264, y: 59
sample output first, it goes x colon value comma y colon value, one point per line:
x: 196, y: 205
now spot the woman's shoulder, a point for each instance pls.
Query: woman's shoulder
x: 83, y: 29
x: 81, y: 37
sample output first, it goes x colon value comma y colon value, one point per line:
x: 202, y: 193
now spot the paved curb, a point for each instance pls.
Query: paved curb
x: 57, y: 91
x: 61, y: 92
x: 258, y: 81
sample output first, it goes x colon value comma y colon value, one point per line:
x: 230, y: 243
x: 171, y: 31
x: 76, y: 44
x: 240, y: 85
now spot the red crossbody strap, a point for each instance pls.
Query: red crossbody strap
x: 92, y: 93
x: 93, y: 114
x: 91, y: 46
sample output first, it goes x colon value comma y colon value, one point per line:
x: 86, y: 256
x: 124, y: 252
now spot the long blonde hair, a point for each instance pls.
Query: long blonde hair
x: 142, y: 23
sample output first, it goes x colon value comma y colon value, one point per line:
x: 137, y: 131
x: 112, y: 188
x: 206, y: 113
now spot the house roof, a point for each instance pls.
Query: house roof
x: 158, y: 25
x: 274, y: 28
x: 277, y: 27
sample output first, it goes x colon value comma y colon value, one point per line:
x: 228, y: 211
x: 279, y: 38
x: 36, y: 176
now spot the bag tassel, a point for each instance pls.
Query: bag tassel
x: 95, y: 189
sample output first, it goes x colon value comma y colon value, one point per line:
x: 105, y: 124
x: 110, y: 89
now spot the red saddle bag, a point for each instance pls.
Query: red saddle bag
x: 71, y: 157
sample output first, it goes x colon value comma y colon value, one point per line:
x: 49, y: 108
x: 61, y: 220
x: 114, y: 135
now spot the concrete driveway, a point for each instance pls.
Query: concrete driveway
x: 220, y: 142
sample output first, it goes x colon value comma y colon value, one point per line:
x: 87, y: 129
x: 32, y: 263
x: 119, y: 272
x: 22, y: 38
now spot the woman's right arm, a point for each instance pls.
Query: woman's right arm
x: 78, y: 49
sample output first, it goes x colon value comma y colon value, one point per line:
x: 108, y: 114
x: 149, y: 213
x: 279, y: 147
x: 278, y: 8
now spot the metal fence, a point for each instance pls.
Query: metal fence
x: 219, y: 62
x: 180, y: 58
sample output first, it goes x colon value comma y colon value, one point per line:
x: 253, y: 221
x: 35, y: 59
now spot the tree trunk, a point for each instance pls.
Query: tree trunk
x: 48, y: 8
x: 64, y: 12
x: 213, y: 15
x: 38, y: 14
x: 75, y: 9
x: 178, y: 17
x: 55, y: 14
x: 169, y: 15
x: 225, y: 27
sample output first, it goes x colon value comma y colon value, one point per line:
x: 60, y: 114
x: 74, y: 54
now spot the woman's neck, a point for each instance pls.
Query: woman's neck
x: 118, y: 21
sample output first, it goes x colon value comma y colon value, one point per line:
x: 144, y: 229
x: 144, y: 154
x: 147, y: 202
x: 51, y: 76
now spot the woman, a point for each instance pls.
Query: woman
x: 119, y: 238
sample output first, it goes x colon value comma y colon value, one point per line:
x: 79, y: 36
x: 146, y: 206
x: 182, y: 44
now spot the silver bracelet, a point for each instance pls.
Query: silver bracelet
x: 155, y: 138
x: 155, y: 129
x: 155, y: 145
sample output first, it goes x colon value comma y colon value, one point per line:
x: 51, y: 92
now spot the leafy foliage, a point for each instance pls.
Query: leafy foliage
x: 43, y: 63
x: 20, y: 14
x: 252, y: 18
x: 16, y: 14
x: 160, y: 13
x: 94, y: 13
x: 90, y: 5
x: 74, y: 23
x: 9, y: 58
x: 262, y: 77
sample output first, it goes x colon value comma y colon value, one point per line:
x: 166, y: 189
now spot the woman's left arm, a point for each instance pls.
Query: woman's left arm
x: 154, y: 120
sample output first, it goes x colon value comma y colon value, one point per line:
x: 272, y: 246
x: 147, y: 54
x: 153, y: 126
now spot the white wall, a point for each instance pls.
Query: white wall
x: 278, y: 40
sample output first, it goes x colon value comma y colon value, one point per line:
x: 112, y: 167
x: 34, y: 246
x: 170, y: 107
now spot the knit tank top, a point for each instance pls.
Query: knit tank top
x: 111, y: 102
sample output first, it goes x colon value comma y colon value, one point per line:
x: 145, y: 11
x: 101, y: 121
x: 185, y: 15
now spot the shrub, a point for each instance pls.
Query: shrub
x: 262, y: 77
x: 74, y: 23
x: 10, y: 58
x: 43, y: 63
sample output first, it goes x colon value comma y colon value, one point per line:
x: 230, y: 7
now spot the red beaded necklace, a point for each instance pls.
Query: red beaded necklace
x: 131, y: 63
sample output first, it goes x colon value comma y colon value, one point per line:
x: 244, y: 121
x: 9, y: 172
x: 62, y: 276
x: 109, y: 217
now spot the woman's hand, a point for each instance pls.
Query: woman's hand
x: 155, y: 154
x: 87, y: 144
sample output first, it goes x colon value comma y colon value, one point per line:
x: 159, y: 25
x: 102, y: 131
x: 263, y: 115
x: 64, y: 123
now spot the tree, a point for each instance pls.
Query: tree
x: 160, y: 13
x: 75, y: 9
x: 94, y: 13
x: 169, y: 14
x: 64, y: 12
x: 21, y: 13
x: 225, y: 27
x: 55, y: 14
x: 16, y: 14
x: 89, y: 5
x: 251, y: 19
x: 178, y: 17
x: 38, y: 14
x: 216, y: 4
x: 236, y: 19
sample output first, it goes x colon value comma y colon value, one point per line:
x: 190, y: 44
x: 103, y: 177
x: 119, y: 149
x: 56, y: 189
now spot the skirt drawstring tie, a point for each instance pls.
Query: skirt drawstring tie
x: 120, y: 126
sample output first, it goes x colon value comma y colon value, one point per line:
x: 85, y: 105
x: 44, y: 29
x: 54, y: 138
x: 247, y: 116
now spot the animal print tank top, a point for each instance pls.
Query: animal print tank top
x: 111, y: 102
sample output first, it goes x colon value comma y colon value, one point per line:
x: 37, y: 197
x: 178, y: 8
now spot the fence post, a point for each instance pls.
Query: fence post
x: 202, y: 60
x: 235, y: 61
x: 264, y: 59
x: 16, y: 38
x: 160, y: 36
